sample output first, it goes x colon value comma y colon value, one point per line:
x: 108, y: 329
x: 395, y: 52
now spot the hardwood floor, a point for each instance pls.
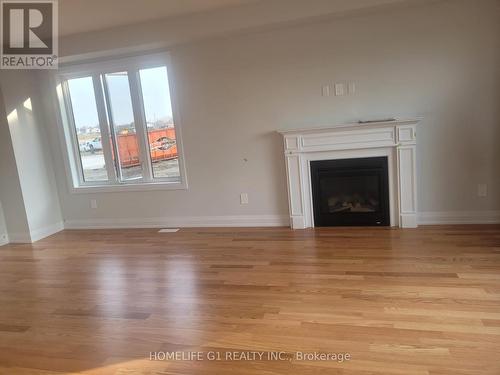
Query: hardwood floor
x: 424, y: 301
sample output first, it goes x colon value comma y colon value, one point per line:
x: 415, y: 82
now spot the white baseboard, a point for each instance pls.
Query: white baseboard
x: 37, y: 234
x: 459, y: 217
x: 19, y: 238
x: 182, y: 221
x: 424, y: 218
x: 4, y: 239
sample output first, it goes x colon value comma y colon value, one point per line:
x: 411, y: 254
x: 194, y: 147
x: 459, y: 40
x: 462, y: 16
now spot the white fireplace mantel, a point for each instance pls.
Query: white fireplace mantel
x: 394, y: 139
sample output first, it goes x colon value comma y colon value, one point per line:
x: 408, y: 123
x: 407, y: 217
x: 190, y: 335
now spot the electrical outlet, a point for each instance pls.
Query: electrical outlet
x: 243, y: 198
x: 93, y: 204
x: 482, y: 190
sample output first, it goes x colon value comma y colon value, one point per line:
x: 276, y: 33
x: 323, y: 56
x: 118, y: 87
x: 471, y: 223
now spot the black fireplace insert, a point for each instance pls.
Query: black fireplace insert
x: 350, y: 192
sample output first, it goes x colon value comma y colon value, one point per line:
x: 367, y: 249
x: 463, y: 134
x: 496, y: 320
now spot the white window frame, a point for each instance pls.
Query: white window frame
x: 67, y: 127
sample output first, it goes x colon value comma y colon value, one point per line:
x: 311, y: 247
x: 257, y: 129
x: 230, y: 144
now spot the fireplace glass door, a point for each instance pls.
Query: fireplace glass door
x: 350, y: 192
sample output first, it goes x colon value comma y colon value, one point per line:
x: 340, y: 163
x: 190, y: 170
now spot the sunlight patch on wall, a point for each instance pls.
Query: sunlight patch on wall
x: 11, y: 117
x: 27, y: 104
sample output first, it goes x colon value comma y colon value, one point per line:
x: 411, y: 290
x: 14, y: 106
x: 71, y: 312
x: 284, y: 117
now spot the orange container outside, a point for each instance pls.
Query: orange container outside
x: 162, y: 146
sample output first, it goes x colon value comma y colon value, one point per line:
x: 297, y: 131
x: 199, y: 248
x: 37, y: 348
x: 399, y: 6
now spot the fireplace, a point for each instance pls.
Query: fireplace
x: 350, y: 192
x: 396, y: 141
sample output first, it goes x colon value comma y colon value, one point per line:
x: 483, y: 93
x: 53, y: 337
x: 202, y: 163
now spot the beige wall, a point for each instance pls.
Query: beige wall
x: 439, y: 60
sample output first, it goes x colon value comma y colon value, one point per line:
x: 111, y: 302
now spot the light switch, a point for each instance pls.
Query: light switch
x: 93, y: 203
x: 325, y: 90
x: 339, y: 89
x: 351, y: 88
x: 244, y: 198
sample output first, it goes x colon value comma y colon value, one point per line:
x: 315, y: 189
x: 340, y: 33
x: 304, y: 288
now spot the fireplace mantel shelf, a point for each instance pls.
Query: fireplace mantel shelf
x: 395, y: 140
x: 351, y: 125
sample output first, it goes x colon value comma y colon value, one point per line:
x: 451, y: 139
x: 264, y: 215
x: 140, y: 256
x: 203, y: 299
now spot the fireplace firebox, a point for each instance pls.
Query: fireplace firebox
x: 350, y: 192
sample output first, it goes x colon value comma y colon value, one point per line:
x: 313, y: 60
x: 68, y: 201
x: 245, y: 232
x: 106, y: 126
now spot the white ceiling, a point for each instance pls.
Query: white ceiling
x: 76, y: 16
x: 80, y: 16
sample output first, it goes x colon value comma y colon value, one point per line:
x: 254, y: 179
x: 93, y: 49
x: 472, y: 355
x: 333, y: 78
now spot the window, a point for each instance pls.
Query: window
x: 81, y: 94
x: 160, y: 122
x: 120, y: 125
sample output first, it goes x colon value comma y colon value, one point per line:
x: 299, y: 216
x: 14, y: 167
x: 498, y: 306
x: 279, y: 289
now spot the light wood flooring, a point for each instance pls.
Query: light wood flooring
x: 420, y: 301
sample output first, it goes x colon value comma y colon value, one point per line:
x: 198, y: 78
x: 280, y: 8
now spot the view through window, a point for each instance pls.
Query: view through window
x: 88, y: 133
x: 124, y: 128
x: 160, y: 122
x: 121, y: 118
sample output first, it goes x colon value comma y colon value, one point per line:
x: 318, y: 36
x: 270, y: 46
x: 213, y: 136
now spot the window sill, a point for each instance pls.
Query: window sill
x: 85, y: 189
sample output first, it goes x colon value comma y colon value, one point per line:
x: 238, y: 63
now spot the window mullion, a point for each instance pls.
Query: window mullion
x: 140, y: 125
x: 105, y: 129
